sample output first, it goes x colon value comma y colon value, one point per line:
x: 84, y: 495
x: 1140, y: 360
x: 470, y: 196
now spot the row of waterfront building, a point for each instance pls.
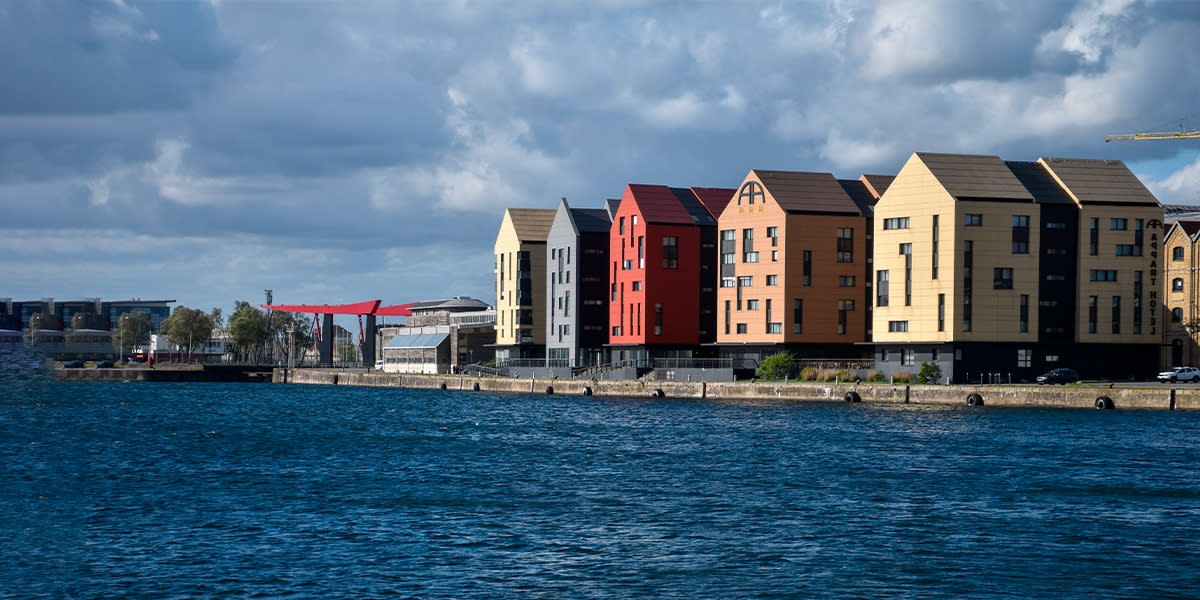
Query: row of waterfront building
x: 969, y: 262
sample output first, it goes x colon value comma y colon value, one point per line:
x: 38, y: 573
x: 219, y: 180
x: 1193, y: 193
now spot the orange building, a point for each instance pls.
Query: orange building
x: 795, y: 264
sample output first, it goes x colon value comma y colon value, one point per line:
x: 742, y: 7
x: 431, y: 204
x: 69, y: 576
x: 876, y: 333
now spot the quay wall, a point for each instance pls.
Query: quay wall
x: 1150, y: 397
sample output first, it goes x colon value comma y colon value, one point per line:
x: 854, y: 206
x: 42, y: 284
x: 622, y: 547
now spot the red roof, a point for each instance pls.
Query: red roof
x: 370, y: 307
x: 714, y: 199
x: 658, y: 204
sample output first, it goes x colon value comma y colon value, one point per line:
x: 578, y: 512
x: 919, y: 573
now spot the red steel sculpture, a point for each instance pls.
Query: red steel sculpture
x: 370, y: 309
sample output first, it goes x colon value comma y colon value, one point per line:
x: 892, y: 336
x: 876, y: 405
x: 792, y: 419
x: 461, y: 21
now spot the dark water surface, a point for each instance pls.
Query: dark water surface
x: 132, y: 490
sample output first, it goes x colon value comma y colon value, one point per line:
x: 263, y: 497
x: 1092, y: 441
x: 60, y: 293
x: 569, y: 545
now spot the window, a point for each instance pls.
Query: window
x: 1094, y: 236
x: 906, y: 250
x: 941, y: 312
x: 807, y: 273
x: 1116, y: 314
x: 774, y: 327
x: 1177, y: 315
x: 1129, y: 250
x: 897, y: 326
x: 971, y: 220
x: 772, y: 280
x: 773, y: 233
x: 883, y: 355
x: 1177, y: 253
x: 658, y: 319
x: 1177, y: 284
x: 616, y: 330
x: 896, y: 223
x: 881, y: 288
x: 845, y: 281
x: 908, y: 357
x: 637, y: 286
x: 1092, y: 314
x: 1024, y: 358
x: 1020, y: 234
x: 1002, y: 279
x: 728, y: 235
x: 634, y: 218
x: 774, y: 255
x: 745, y: 281
x: 621, y: 226
x: 750, y: 257
x: 844, y: 307
x: 1103, y: 275
x: 750, y: 191
x: 845, y: 244
x: 741, y: 328
x: 1056, y: 225
x: 1117, y: 224
x: 798, y: 315
x: 752, y: 304
x: 1023, y: 319
x: 641, y: 251
x: 935, y: 246
x: 728, y: 282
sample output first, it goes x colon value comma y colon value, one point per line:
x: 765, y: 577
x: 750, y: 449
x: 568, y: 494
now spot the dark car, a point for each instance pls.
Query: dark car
x: 73, y: 364
x: 105, y: 364
x: 1058, y: 376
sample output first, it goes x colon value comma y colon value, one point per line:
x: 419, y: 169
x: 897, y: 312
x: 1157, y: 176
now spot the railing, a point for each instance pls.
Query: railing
x: 536, y: 363
x: 482, y: 370
x: 849, y: 364
x: 704, y: 363
x: 632, y: 363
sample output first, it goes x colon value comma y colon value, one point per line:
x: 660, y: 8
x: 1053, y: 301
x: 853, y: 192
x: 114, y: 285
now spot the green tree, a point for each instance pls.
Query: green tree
x: 248, y: 330
x: 300, y: 333
x: 190, y: 328
x: 930, y: 373
x: 775, y: 367
x: 132, y: 330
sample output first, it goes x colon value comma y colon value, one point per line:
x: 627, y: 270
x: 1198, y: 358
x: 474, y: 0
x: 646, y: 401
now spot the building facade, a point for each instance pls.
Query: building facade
x: 997, y: 271
x: 795, y: 265
x: 520, y: 269
x: 662, y: 256
x: 1181, y: 290
x: 577, y: 285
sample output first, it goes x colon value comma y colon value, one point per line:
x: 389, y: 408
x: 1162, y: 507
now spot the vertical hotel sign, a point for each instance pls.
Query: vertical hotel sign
x: 1154, y: 224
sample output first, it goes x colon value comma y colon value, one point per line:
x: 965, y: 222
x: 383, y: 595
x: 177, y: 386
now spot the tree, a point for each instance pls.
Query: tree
x: 132, y: 330
x: 247, y: 330
x: 930, y: 373
x: 300, y: 336
x: 190, y: 328
x: 776, y: 366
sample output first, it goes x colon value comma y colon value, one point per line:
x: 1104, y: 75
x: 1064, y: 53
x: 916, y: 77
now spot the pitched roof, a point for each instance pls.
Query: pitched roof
x: 1039, y: 182
x: 1093, y: 181
x: 531, y: 224
x: 455, y: 304
x: 877, y: 184
x: 590, y: 220
x: 800, y: 192
x: 1189, y: 227
x: 975, y: 177
x: 714, y: 199
x: 861, y: 194
x: 659, y: 204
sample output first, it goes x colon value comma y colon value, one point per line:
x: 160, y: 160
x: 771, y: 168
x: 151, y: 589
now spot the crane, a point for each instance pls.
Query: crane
x: 1158, y: 135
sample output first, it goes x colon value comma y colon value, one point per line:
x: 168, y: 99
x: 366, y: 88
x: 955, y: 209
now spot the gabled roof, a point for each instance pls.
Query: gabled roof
x: 877, y: 184
x: 591, y: 220
x: 659, y: 204
x: 801, y: 192
x: 861, y: 194
x: 1189, y: 227
x: 531, y: 224
x: 610, y: 206
x: 975, y: 177
x: 1039, y: 182
x: 455, y: 304
x: 1092, y: 181
x: 714, y: 199
x: 418, y: 340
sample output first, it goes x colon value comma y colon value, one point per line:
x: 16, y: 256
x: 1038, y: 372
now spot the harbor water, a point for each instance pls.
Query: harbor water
x: 220, y: 490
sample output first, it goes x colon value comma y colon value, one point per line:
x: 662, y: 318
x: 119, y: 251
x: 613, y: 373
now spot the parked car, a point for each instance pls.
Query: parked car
x: 73, y: 364
x: 105, y: 364
x: 1058, y: 376
x: 1180, y: 374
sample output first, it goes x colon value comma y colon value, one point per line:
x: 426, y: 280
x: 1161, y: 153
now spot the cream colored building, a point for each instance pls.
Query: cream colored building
x: 998, y: 271
x: 521, y: 284
x: 1181, y: 290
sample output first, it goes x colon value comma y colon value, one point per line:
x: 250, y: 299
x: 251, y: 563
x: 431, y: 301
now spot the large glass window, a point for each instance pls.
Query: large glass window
x: 671, y: 252
x: 845, y: 244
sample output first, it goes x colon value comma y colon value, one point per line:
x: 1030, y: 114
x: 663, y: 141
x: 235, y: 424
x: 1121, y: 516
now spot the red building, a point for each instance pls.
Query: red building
x: 663, y: 252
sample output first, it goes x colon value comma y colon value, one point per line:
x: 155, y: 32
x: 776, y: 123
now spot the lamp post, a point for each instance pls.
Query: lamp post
x: 121, y: 326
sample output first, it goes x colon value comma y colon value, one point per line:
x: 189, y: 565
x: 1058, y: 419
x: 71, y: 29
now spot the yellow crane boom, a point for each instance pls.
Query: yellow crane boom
x: 1158, y: 135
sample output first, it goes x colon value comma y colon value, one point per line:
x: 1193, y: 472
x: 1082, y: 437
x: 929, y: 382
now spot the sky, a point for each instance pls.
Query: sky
x: 342, y: 151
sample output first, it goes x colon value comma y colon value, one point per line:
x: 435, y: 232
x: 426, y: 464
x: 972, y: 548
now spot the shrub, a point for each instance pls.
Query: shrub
x: 776, y: 366
x: 875, y: 376
x: 809, y: 373
x: 930, y: 373
x: 901, y: 377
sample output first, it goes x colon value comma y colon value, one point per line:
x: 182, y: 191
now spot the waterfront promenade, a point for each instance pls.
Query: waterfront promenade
x: 1149, y: 396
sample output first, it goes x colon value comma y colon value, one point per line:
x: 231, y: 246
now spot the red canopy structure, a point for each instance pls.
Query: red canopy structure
x: 369, y: 308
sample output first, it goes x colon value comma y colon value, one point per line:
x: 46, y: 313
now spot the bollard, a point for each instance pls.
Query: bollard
x: 1172, y: 399
x: 906, y: 394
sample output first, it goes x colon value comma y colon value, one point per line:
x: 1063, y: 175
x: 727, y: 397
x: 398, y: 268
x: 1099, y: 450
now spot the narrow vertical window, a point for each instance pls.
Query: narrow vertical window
x: 1094, y: 236
x: 1137, y: 301
x: 968, y: 278
x: 881, y: 288
x: 670, y: 252
x: 941, y: 312
x: 1116, y: 314
x: 1020, y: 234
x: 621, y: 226
x: 658, y: 319
x: 1092, y: 316
x: 768, y: 315
x: 727, y: 317
x: 807, y: 273
x: 935, y: 246
x: 641, y: 251
x: 773, y: 233
x: 844, y: 307
x: 906, y: 250
x: 798, y: 315
x: 1023, y: 319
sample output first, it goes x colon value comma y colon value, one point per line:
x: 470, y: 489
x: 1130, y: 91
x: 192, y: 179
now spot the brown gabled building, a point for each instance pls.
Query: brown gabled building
x: 795, y: 253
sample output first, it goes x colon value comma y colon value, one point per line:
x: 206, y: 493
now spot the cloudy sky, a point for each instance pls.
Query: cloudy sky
x: 340, y: 151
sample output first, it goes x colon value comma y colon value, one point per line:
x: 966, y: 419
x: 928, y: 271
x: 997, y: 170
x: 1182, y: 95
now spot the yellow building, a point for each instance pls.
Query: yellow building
x: 521, y: 283
x: 998, y: 271
x: 1181, y: 291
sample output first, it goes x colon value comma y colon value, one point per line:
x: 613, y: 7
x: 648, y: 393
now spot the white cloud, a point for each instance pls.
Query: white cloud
x: 1181, y: 187
x: 1089, y: 29
x: 856, y: 154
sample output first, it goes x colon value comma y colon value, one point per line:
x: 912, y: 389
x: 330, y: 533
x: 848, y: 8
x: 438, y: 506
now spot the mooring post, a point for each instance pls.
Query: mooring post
x: 1172, y: 398
x: 906, y: 394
